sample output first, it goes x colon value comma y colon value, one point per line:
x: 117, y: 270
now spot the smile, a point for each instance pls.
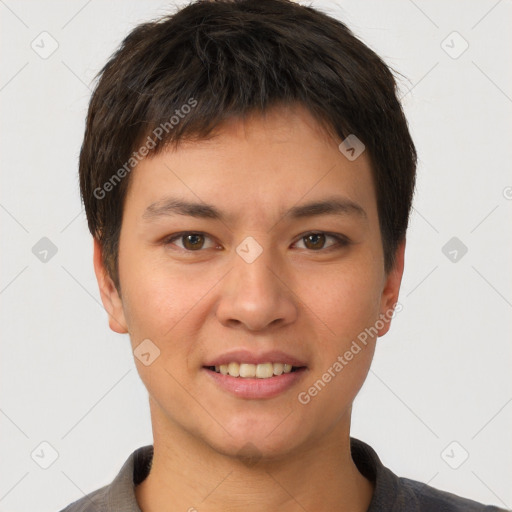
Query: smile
x: 250, y: 371
x: 255, y: 381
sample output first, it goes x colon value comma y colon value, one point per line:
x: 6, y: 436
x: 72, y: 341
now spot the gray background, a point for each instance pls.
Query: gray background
x: 442, y: 375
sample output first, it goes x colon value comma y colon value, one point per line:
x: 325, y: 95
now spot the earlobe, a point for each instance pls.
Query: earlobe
x: 392, y: 289
x: 109, y: 295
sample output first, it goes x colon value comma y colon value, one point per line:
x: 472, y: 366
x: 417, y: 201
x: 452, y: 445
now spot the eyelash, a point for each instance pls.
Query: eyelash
x: 341, y: 240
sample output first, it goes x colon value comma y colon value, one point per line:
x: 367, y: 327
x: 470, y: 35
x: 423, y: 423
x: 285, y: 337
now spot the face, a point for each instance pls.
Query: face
x: 260, y: 245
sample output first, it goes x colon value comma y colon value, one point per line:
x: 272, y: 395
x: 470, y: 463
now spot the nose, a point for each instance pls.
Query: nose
x: 257, y: 296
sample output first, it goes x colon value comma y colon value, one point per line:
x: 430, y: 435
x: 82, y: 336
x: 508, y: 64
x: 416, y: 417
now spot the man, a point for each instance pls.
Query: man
x: 247, y: 174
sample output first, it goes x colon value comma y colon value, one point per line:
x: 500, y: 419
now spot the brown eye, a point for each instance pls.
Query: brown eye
x: 314, y: 241
x: 189, y: 241
x: 193, y: 241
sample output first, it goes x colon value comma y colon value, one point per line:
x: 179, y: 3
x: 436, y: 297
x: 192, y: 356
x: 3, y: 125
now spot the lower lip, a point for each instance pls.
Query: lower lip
x: 256, y: 388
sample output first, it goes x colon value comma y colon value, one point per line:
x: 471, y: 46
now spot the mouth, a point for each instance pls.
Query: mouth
x: 247, y: 374
x: 255, y: 381
x: 255, y: 371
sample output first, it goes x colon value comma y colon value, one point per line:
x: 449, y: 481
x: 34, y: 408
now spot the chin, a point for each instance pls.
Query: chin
x: 255, y: 439
x: 251, y: 451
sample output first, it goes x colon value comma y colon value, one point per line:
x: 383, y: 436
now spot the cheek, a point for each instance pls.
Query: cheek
x: 160, y: 308
x: 167, y: 306
x: 345, y: 302
x: 154, y: 297
x: 154, y: 305
x: 344, y: 311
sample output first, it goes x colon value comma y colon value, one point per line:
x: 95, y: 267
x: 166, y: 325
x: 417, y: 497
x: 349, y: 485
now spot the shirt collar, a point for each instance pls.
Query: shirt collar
x: 121, y: 492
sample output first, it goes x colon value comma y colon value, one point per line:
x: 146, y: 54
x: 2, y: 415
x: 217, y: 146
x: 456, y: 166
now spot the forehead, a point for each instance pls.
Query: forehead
x: 282, y: 158
x: 279, y: 123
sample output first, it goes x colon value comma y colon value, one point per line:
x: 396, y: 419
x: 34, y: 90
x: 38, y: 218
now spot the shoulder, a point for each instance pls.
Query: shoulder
x: 397, y: 494
x: 427, y: 498
x: 92, y: 502
x: 120, y: 494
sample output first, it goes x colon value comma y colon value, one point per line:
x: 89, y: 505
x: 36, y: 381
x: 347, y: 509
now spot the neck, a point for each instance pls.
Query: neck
x: 188, y: 475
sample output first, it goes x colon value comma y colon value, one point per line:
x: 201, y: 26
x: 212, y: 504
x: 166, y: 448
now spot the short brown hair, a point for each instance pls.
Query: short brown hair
x: 214, y: 60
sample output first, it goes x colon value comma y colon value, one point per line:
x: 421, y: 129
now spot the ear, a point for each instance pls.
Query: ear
x: 391, y: 290
x: 109, y: 296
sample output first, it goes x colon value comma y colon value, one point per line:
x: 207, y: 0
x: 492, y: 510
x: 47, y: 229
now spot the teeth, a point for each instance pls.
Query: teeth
x: 247, y: 370
x: 264, y: 371
x: 234, y: 369
x: 260, y: 371
x: 278, y: 368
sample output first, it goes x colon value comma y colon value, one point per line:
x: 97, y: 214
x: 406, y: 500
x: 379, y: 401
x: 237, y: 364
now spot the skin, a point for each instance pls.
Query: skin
x: 199, y: 304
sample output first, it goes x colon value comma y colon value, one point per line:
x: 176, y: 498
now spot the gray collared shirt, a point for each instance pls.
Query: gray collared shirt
x: 392, y: 493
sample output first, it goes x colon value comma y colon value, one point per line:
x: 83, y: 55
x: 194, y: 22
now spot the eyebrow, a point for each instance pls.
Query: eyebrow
x: 170, y: 206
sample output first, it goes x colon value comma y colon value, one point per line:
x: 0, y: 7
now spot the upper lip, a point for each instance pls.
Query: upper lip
x: 252, y: 357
